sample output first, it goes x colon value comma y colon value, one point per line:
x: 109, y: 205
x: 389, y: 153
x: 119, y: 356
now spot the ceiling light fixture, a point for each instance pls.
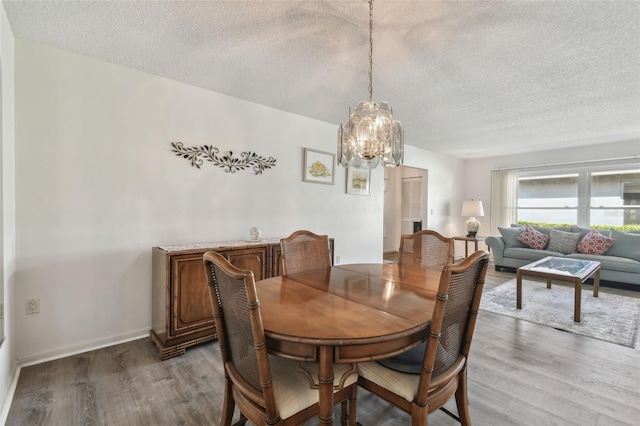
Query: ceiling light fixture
x: 371, y: 135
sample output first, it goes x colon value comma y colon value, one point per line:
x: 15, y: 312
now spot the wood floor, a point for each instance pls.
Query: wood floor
x: 520, y: 373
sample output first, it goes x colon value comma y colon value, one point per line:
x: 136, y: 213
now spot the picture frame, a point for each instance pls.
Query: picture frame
x: 358, y: 181
x: 318, y: 167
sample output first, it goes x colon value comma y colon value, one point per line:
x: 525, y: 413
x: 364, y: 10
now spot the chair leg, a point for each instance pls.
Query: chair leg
x: 419, y: 415
x: 343, y: 413
x: 462, y: 400
x: 242, y: 421
x: 228, y: 405
x: 353, y: 412
x: 348, y: 409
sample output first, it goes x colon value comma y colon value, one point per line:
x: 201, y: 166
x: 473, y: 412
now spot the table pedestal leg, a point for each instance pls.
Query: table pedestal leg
x: 325, y: 385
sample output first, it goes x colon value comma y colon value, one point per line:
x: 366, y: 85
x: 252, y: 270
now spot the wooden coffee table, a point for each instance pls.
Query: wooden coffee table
x: 562, y: 269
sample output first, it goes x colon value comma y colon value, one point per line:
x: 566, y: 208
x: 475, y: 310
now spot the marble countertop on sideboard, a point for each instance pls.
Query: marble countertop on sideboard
x: 218, y: 244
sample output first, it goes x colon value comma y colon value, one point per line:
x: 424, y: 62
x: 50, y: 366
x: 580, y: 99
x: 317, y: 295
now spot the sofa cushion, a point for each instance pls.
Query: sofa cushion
x: 526, y: 253
x: 610, y: 263
x: 564, y: 242
x: 627, y: 245
x: 510, y: 236
x: 595, y: 243
x: 534, y: 239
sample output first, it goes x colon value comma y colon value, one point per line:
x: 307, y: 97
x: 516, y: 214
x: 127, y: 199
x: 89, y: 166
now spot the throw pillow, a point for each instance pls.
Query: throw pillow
x: 595, y: 243
x: 510, y: 237
x: 563, y: 242
x: 627, y: 245
x: 534, y: 239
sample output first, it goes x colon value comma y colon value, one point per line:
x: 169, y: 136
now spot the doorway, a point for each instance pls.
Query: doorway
x: 405, y: 205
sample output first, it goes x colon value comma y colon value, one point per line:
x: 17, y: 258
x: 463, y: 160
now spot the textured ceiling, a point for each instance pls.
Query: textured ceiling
x: 466, y: 78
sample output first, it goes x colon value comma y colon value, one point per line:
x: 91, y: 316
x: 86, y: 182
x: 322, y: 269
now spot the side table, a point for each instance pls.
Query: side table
x: 468, y: 240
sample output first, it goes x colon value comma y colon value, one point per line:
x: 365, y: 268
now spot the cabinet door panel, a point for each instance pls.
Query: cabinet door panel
x: 191, y: 307
x: 253, y: 259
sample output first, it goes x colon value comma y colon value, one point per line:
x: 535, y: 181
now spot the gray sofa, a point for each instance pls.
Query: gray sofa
x: 620, y: 263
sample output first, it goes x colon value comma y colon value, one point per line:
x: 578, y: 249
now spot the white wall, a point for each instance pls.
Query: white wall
x: 97, y: 187
x: 7, y: 360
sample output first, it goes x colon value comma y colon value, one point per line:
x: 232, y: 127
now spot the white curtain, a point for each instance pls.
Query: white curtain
x: 504, y: 198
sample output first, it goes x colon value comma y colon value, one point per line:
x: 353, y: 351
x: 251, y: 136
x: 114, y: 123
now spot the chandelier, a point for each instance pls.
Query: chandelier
x: 370, y: 135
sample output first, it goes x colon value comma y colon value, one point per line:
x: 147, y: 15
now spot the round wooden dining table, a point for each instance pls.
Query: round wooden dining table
x: 346, y: 314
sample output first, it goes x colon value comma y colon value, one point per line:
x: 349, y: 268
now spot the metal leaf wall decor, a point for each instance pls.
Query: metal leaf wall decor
x: 195, y: 154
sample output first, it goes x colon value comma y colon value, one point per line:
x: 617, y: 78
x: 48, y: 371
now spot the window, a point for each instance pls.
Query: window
x: 596, y: 197
x: 549, y: 199
x: 615, y: 198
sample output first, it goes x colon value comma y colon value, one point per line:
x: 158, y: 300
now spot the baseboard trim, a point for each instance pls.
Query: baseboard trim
x: 91, y: 345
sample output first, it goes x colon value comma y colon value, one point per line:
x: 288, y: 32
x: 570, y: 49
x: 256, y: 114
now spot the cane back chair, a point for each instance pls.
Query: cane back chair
x: 303, y: 251
x: 268, y: 390
x: 426, y: 249
x: 442, y: 371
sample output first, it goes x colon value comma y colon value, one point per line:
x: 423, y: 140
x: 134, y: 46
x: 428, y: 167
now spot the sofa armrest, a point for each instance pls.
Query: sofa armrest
x: 496, y: 245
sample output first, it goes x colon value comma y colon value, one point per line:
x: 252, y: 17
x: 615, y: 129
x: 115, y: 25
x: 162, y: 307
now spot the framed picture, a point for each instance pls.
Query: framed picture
x: 358, y: 181
x: 318, y: 166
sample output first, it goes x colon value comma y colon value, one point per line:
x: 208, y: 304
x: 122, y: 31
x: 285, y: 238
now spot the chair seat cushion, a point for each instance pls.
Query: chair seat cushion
x: 291, y: 387
x: 404, y: 385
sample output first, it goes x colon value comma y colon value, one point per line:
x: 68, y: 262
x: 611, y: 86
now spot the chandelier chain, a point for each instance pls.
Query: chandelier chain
x: 370, y: 50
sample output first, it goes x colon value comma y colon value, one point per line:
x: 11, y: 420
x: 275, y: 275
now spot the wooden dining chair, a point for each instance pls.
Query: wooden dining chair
x: 303, y: 251
x: 425, y: 249
x: 268, y: 390
x: 442, y: 371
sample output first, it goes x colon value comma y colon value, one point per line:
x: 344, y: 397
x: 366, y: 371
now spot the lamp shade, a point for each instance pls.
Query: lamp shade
x: 472, y: 208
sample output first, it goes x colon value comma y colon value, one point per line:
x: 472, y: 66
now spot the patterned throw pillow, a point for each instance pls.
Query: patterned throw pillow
x: 595, y: 243
x: 534, y: 239
x: 563, y: 242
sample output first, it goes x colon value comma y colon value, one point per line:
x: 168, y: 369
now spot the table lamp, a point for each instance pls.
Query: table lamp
x: 472, y: 209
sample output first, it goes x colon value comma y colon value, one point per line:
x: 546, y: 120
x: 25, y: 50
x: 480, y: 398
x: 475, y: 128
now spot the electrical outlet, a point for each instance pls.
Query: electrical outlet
x: 33, y: 306
x: 337, y: 260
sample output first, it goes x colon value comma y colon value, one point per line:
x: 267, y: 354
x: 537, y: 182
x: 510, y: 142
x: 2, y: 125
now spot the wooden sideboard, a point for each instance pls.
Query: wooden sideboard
x: 181, y: 314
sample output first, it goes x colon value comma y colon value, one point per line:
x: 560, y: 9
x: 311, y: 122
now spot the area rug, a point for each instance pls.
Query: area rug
x: 609, y: 317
